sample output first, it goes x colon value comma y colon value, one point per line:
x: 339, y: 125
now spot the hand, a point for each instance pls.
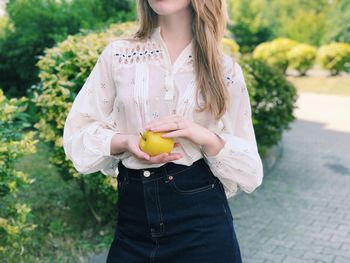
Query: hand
x: 178, y: 126
x: 134, y: 148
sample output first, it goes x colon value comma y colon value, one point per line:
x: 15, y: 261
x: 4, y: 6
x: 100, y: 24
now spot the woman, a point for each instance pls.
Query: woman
x: 171, y: 77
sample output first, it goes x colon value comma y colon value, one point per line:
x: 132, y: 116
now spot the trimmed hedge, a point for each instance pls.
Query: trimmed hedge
x: 272, y: 99
x: 230, y: 47
x: 302, y: 57
x: 335, y: 57
x: 275, y: 53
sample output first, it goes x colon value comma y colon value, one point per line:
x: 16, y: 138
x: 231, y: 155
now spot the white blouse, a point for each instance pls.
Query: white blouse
x: 134, y: 82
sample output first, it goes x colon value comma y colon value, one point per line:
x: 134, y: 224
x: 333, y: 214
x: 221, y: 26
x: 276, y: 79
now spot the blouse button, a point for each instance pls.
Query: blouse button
x: 146, y: 173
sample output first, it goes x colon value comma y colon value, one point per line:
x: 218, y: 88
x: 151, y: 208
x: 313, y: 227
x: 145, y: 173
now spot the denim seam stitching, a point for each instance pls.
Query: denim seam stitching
x: 185, y: 169
x: 159, y: 209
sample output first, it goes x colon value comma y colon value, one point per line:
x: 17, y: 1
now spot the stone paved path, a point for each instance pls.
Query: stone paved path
x: 301, y: 212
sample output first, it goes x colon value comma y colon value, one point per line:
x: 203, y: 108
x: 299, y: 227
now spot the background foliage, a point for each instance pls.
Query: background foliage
x: 15, y: 142
x: 36, y: 24
x: 313, y: 22
x: 272, y: 100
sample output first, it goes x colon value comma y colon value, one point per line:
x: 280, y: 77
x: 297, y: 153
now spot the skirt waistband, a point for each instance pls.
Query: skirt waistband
x: 157, y: 172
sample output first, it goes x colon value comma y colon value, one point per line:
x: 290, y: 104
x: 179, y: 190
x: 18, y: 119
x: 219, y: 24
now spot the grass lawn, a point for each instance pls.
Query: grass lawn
x: 337, y: 85
x: 67, y: 231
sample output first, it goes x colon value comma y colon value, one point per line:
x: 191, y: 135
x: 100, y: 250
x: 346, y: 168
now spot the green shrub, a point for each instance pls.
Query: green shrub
x: 302, y: 57
x: 15, y: 228
x: 272, y: 99
x: 63, y: 71
x: 334, y: 57
x: 37, y: 24
x: 275, y: 53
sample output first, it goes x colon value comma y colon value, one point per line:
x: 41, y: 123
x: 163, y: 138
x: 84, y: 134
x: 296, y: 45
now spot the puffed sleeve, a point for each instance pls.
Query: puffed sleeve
x: 238, y: 163
x: 88, y: 131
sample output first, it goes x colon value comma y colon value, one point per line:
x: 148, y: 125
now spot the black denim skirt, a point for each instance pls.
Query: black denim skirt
x: 173, y: 214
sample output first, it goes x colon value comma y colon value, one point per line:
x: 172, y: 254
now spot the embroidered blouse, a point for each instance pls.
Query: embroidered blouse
x: 134, y: 82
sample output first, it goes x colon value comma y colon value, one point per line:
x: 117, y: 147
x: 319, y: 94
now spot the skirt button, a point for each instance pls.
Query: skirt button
x: 146, y: 173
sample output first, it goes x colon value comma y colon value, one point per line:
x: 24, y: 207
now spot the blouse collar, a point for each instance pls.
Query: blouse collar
x: 185, y: 54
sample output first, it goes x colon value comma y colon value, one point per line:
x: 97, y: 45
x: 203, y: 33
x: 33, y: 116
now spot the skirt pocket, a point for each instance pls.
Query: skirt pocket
x: 190, y: 181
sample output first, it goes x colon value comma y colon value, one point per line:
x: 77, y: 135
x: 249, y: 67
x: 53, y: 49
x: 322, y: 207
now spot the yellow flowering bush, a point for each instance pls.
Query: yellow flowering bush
x: 14, y: 143
x: 275, y: 53
x: 230, y: 47
x: 63, y: 70
x: 334, y: 57
x: 302, y: 57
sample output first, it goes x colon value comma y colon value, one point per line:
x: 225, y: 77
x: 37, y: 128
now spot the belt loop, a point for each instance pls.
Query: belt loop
x: 126, y: 174
x: 165, y: 174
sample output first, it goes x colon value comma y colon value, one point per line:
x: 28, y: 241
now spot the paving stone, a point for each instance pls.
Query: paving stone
x: 337, y: 252
x: 318, y: 256
x: 343, y: 228
x: 289, y: 252
x: 339, y: 238
x: 253, y: 260
x: 345, y: 246
x: 303, y: 204
x: 341, y: 260
x: 327, y: 244
x: 332, y: 231
x: 310, y: 248
x: 290, y: 259
x: 269, y: 256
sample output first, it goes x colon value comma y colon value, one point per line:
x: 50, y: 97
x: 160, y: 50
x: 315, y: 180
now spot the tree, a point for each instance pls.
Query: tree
x: 249, y: 24
x: 38, y: 24
x: 338, y: 27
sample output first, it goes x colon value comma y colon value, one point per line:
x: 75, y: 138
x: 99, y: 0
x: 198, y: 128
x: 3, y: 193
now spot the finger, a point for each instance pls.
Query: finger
x: 177, y: 133
x: 160, y: 158
x: 164, y: 120
x: 172, y: 126
x: 176, y: 144
x: 164, y: 158
x: 173, y: 157
x: 139, y: 153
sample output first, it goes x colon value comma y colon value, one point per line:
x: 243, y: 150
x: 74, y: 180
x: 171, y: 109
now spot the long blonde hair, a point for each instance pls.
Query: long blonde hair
x: 209, y: 19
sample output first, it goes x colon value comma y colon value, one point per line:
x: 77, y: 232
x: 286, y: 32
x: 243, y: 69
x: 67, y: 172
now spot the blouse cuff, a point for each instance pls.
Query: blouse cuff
x: 240, y: 146
x: 106, y: 146
x: 112, y: 168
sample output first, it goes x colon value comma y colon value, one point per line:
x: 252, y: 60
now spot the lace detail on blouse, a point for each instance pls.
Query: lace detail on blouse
x: 188, y: 64
x: 139, y: 52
